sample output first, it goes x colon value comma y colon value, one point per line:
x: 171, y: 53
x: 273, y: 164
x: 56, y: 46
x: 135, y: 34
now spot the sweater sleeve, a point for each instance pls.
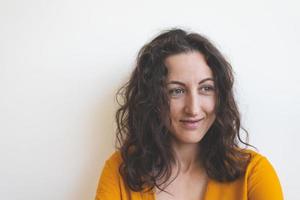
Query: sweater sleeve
x: 109, y: 185
x: 263, y: 182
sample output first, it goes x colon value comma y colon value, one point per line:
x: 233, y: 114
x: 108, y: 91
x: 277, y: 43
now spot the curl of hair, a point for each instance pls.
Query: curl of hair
x: 142, y: 137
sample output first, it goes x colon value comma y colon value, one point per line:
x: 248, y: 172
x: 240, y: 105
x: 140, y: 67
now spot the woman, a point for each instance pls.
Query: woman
x: 179, y: 130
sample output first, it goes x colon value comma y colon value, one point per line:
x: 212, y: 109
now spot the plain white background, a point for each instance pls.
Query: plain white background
x: 61, y: 63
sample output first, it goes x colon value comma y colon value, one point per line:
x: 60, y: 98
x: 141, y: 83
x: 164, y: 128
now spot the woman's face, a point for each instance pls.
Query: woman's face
x: 192, y: 96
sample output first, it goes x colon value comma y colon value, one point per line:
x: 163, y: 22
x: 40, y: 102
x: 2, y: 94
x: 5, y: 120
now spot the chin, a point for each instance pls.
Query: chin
x: 188, y: 137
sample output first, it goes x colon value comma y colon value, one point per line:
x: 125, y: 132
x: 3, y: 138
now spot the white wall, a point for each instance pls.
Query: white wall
x: 62, y: 61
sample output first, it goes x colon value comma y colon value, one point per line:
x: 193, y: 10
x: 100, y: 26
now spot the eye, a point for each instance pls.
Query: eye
x: 207, y: 89
x: 175, y: 92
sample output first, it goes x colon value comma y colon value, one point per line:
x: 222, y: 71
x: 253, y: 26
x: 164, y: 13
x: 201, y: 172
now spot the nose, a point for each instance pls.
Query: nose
x: 192, y: 104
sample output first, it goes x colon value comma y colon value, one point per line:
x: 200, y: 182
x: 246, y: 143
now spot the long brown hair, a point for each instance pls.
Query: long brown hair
x: 142, y: 137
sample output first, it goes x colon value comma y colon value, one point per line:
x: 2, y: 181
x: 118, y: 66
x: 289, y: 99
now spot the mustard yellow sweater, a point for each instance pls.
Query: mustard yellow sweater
x: 260, y: 182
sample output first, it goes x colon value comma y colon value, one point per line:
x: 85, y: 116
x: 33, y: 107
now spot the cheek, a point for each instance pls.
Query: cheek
x: 176, y: 105
x: 209, y: 104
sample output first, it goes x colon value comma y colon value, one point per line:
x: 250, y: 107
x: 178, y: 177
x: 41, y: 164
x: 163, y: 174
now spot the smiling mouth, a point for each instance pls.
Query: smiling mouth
x: 190, y: 121
x: 190, y: 124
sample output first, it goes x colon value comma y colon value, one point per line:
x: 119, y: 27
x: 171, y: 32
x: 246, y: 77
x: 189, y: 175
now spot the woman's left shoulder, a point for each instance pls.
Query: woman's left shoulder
x: 254, y: 156
x: 256, y: 160
x: 262, y: 179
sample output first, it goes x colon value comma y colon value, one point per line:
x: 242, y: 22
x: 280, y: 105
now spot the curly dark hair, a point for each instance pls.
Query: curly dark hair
x: 142, y: 136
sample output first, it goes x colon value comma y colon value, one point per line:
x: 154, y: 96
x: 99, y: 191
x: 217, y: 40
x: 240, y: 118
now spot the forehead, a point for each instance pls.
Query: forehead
x: 187, y: 67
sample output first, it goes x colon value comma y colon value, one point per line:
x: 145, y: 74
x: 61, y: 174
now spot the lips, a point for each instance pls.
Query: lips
x: 190, y: 120
x: 190, y: 123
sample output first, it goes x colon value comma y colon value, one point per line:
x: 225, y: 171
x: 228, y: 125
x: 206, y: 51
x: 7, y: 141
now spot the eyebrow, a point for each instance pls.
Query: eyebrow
x: 200, y: 82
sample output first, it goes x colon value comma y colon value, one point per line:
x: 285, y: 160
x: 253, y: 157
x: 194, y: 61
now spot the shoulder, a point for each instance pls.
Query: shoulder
x: 255, y: 158
x: 112, y: 164
x: 109, y: 186
x: 114, y: 159
x: 262, y: 179
x: 257, y: 162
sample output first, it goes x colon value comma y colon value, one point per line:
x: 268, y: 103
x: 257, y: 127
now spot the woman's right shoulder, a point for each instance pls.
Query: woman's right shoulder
x: 114, y: 160
x: 109, y: 184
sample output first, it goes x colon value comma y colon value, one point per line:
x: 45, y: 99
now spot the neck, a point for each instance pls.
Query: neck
x: 187, y: 156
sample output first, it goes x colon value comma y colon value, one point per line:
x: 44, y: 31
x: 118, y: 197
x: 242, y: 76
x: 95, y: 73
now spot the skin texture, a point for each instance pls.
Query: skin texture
x: 192, y: 98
